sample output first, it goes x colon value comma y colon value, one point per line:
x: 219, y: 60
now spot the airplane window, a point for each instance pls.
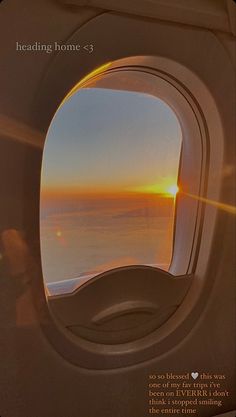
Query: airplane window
x: 108, y: 183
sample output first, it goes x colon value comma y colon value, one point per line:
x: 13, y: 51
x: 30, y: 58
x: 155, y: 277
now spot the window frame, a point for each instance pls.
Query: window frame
x: 188, y: 73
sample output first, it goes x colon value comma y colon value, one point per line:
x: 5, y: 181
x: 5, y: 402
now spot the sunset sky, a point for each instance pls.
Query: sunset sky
x: 110, y: 141
x: 110, y: 166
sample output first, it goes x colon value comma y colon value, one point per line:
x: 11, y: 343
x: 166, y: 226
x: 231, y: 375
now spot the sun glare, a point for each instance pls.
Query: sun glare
x: 165, y: 188
x: 173, y: 190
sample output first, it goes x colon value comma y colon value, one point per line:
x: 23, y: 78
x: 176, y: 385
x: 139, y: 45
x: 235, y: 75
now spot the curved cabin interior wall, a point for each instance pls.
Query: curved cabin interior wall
x: 39, y: 378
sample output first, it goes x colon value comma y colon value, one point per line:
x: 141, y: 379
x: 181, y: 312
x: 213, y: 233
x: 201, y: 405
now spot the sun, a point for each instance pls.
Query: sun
x: 173, y: 190
x: 165, y: 188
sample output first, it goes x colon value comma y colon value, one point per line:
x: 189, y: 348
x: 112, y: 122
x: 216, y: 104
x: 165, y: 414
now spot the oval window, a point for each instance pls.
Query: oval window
x: 109, y: 181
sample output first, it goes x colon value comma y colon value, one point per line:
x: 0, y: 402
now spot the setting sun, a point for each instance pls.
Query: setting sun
x: 173, y: 190
x: 165, y: 187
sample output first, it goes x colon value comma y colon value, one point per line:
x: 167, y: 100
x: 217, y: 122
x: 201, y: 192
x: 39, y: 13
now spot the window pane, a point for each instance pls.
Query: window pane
x: 108, y: 183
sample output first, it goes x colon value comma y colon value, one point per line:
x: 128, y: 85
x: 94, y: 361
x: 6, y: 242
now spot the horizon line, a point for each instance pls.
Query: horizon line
x: 59, y: 193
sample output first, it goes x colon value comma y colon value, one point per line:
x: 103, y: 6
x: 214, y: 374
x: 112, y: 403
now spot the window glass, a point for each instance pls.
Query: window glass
x: 108, y: 183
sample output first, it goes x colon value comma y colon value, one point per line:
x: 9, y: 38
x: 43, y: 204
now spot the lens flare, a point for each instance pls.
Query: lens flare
x: 173, y: 190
